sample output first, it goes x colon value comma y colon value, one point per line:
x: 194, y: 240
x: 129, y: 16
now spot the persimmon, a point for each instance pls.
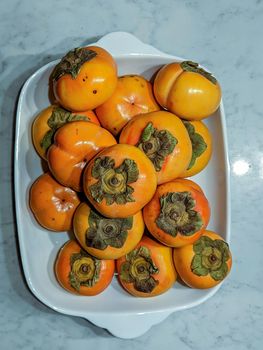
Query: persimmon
x: 204, y: 263
x: 119, y: 181
x: 133, y: 95
x: 52, y: 204
x: 187, y: 90
x: 147, y: 270
x: 81, y: 273
x: 106, y: 238
x: 49, y: 120
x: 74, y: 145
x: 177, y: 214
x: 84, y: 78
x: 164, y: 139
x: 201, y: 140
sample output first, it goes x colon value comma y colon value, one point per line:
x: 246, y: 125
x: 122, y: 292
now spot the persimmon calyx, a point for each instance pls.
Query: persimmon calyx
x: 198, y: 143
x: 113, y: 182
x: 72, y: 62
x: 156, y: 144
x: 59, y: 117
x: 138, y: 269
x: 210, y: 258
x: 104, y: 232
x: 190, y: 66
x: 85, y: 270
x: 177, y: 214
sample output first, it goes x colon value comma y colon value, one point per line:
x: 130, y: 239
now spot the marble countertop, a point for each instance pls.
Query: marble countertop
x: 225, y: 36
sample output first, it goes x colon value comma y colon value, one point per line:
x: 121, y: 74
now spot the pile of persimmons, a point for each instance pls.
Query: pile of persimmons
x: 119, y: 150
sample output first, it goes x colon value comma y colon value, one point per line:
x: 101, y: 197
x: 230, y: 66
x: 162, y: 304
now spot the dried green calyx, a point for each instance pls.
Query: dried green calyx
x: 85, y: 270
x: 113, y: 183
x: 156, y: 144
x: 190, y: 66
x: 59, y: 117
x: 72, y: 62
x: 210, y: 258
x: 177, y: 214
x: 138, y: 269
x: 103, y: 232
x: 198, y: 143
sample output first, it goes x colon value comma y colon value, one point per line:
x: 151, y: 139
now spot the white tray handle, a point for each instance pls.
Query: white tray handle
x: 128, y: 326
x: 129, y: 45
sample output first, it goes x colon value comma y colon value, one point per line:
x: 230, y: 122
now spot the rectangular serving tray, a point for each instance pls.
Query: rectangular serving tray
x: 121, y: 314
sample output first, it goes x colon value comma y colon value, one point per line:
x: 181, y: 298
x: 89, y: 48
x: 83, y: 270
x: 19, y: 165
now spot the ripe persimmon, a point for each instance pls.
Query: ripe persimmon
x: 119, y: 181
x: 106, y: 238
x: 84, y: 78
x: 49, y: 120
x: 164, y: 139
x: 177, y: 214
x: 147, y: 270
x: 204, y: 263
x: 133, y: 96
x: 52, y: 204
x: 81, y: 273
x: 74, y: 145
x: 187, y: 90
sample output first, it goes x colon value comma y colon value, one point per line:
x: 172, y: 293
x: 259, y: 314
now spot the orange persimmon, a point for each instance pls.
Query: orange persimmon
x: 205, y: 263
x: 133, y: 95
x: 74, y: 145
x: 187, y: 90
x: 201, y: 140
x: 49, y: 120
x: 119, y: 181
x: 164, y: 139
x: 106, y: 238
x: 84, y: 78
x: 52, y: 204
x: 177, y: 214
x: 79, y: 272
x: 147, y: 270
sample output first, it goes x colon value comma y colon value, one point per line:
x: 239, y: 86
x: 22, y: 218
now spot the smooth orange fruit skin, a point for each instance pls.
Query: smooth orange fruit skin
x: 62, y: 270
x: 81, y: 225
x: 201, y: 161
x: 144, y: 187
x: 164, y: 81
x: 182, y: 260
x: 40, y: 127
x: 74, y: 145
x: 176, y: 162
x: 95, y: 83
x: 189, y: 95
x: 52, y: 204
x: 162, y: 258
x: 152, y: 210
x: 189, y: 183
x: 90, y: 114
x: 133, y: 96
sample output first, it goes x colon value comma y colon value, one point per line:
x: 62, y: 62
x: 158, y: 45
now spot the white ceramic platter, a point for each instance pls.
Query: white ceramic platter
x: 121, y: 314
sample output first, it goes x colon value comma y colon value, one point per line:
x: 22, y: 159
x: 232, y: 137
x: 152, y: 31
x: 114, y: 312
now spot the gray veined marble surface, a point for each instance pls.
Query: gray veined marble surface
x: 224, y: 35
